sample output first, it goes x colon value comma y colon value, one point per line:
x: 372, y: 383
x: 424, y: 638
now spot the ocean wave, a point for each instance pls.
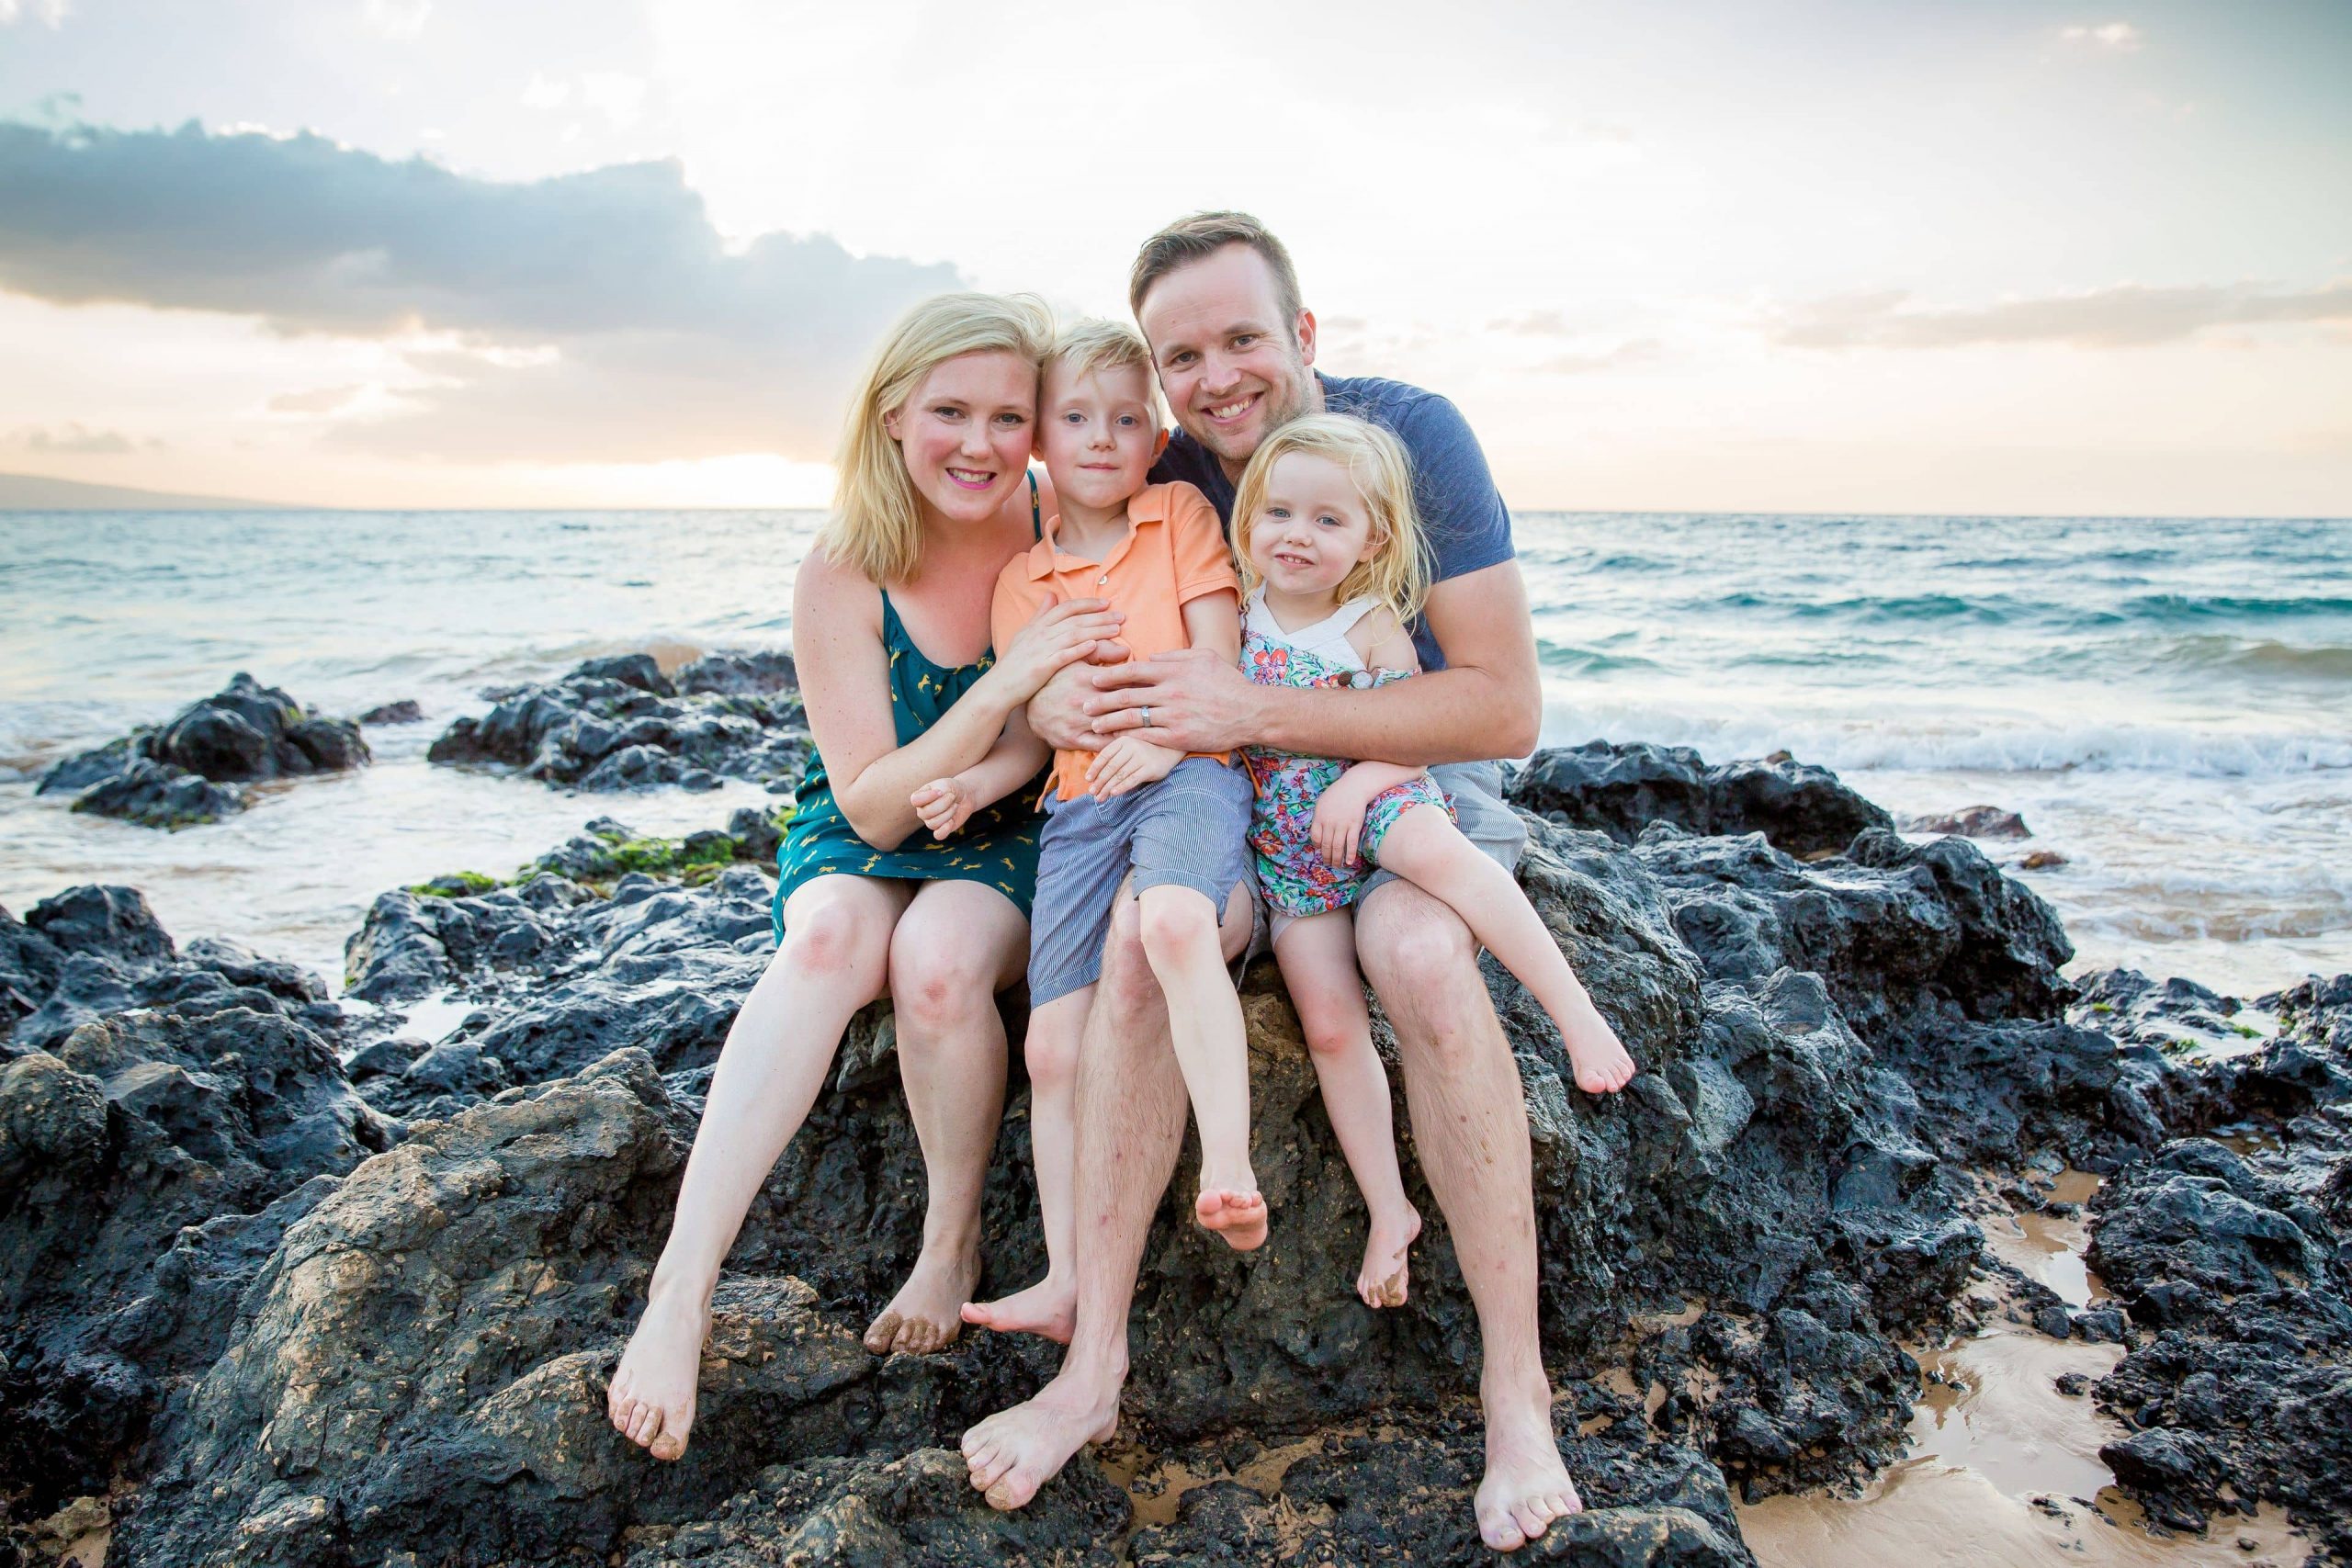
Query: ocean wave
x: 2260, y: 657
x: 2168, y: 608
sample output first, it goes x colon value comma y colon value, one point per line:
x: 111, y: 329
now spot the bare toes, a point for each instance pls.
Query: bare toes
x: 667, y: 1446
x: 1530, y: 1519
x: 1501, y: 1534
x: 882, y: 1332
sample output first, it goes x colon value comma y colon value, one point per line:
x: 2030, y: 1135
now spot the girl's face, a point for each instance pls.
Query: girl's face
x: 1311, y: 529
x: 965, y: 433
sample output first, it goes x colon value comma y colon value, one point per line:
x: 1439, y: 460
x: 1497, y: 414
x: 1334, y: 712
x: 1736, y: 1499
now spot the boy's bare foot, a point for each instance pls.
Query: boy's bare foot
x: 1382, y: 1283
x: 1015, y: 1451
x: 652, y: 1401
x: 1240, y: 1217
x: 1602, y: 1064
x: 1526, y: 1486
x: 1048, y: 1308
x: 924, y: 1315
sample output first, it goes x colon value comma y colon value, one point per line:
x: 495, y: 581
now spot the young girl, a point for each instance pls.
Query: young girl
x: 1333, y: 570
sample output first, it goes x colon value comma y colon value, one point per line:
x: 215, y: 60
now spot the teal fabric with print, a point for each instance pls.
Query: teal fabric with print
x: 998, y: 846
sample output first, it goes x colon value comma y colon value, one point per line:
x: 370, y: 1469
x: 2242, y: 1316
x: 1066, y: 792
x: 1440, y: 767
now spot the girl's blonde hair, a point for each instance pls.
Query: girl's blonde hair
x: 876, y: 522
x: 1396, y: 571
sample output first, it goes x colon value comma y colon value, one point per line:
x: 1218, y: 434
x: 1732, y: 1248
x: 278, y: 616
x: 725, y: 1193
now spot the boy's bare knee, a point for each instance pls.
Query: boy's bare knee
x: 1178, y: 925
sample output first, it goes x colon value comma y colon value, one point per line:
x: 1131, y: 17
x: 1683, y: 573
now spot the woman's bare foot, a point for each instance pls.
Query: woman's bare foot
x: 923, y: 1316
x: 1526, y: 1486
x: 1238, y: 1216
x: 1382, y: 1283
x: 1600, y: 1058
x: 1048, y: 1308
x: 1015, y: 1451
x: 652, y: 1401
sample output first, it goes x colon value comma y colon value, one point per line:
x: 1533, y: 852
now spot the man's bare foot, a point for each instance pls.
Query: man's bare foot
x: 1015, y: 1451
x: 1238, y: 1216
x: 652, y: 1401
x: 924, y: 1315
x: 1600, y: 1058
x: 1382, y: 1283
x: 1048, y: 1308
x: 1526, y: 1486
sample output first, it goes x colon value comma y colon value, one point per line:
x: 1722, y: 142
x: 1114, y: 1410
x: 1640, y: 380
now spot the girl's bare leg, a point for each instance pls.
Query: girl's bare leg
x: 1426, y: 849
x: 834, y: 960
x: 957, y: 945
x: 1181, y: 941
x: 1317, y: 955
x: 1049, y: 1307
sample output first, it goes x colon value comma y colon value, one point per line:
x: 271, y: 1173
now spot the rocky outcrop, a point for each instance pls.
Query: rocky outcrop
x: 620, y: 724
x: 1972, y: 822
x: 173, y: 776
x: 1620, y: 789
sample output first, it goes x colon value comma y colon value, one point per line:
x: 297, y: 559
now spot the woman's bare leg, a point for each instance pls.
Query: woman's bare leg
x: 957, y: 944
x: 1426, y: 850
x: 1049, y: 1307
x: 1317, y: 955
x: 832, y: 961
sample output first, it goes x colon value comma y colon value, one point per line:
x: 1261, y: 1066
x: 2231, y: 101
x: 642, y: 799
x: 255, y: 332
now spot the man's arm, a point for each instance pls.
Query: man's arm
x: 1487, y: 701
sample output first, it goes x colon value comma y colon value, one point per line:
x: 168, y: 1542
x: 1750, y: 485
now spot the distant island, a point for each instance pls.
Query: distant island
x: 35, y: 492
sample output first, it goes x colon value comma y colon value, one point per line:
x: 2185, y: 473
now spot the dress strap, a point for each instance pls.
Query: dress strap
x: 1036, y: 522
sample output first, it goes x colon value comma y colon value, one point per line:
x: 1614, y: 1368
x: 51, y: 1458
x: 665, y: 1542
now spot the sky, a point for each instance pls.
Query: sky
x: 1971, y: 256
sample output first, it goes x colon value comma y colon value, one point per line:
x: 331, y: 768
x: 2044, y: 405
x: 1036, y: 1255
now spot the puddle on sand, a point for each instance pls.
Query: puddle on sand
x: 2000, y: 1457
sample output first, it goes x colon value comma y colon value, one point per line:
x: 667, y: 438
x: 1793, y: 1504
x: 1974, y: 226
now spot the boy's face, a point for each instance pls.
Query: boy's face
x: 1097, y: 434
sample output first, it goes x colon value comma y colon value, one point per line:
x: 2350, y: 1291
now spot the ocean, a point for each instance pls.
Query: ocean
x: 2167, y: 703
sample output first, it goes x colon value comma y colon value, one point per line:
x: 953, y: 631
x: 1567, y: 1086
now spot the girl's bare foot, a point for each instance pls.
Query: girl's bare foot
x: 1048, y: 1308
x: 1602, y: 1064
x: 923, y: 1316
x: 1382, y: 1282
x: 1238, y: 1216
x: 652, y: 1401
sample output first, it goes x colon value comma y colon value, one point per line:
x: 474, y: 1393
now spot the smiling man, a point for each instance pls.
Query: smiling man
x: 1234, y: 344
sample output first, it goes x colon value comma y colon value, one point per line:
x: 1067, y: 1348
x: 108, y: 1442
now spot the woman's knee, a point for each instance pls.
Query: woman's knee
x: 838, y: 938
x: 938, y: 983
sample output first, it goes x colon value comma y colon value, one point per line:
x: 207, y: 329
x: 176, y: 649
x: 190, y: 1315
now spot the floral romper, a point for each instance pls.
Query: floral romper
x: 1296, y: 880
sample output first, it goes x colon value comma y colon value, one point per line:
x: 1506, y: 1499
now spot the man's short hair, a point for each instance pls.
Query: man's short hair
x: 1091, y: 345
x: 1202, y: 235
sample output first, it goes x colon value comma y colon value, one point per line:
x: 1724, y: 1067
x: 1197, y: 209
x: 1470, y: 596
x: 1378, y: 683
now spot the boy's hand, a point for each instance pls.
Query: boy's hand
x: 944, y: 804
x: 1338, y: 822
x: 1128, y: 764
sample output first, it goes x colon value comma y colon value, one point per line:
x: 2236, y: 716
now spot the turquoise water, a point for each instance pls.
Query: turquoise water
x: 2168, y: 703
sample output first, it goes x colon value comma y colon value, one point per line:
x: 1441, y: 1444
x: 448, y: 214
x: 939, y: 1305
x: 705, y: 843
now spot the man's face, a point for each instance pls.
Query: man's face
x: 1234, y: 370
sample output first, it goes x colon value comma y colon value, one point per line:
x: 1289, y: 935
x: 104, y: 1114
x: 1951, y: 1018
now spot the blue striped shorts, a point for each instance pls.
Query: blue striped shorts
x: 1191, y: 829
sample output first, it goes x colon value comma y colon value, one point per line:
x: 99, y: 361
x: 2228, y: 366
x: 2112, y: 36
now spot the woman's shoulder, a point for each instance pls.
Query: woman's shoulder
x: 829, y: 592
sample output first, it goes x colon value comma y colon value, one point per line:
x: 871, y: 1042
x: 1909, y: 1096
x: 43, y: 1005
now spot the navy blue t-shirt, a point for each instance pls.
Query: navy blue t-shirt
x: 1468, y: 527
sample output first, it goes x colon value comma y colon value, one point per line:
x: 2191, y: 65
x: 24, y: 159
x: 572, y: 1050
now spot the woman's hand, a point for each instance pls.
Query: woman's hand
x: 1060, y: 634
x: 944, y: 804
x: 1338, y: 822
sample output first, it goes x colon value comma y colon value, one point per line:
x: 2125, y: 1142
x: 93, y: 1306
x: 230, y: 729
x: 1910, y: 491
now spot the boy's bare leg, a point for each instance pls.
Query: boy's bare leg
x: 1050, y: 1306
x: 957, y: 944
x: 1426, y: 849
x: 1130, y: 1131
x: 1470, y: 1129
x: 1180, y: 939
x: 1317, y: 955
x: 832, y: 961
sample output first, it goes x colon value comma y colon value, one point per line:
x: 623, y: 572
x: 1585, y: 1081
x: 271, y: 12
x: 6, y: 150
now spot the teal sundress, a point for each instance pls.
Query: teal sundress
x: 998, y: 846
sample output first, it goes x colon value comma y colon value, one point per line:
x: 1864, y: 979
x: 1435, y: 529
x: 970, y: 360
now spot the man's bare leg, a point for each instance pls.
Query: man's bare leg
x: 957, y: 945
x: 1130, y: 1131
x: 1469, y: 1118
x: 832, y: 961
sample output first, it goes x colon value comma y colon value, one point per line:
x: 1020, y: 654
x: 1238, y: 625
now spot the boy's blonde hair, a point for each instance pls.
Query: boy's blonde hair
x: 876, y: 523
x: 1091, y: 344
x: 1396, y: 571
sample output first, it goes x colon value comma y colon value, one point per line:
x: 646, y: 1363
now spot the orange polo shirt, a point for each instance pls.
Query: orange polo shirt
x: 1174, y: 554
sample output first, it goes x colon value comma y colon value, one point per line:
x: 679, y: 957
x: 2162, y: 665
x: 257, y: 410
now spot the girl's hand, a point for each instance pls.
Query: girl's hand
x: 1060, y: 634
x: 1339, y: 822
x: 944, y: 804
x: 1128, y: 764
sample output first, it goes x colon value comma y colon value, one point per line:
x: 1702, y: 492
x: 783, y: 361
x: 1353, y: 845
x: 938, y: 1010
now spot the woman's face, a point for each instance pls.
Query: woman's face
x: 965, y: 431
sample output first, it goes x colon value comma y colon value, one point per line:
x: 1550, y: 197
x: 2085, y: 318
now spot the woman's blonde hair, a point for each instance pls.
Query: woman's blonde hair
x: 1396, y: 571
x: 876, y: 523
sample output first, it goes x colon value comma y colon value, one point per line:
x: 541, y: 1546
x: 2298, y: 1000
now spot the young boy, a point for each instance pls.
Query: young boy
x: 1173, y: 825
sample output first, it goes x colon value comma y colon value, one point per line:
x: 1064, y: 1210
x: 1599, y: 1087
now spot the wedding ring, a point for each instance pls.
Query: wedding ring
x: 1147, y: 715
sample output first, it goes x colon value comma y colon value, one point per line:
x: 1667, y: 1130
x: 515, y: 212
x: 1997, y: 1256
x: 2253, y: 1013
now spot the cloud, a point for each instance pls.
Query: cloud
x: 618, y: 95
x: 1533, y: 323
x: 398, y: 18
x: 2119, y: 38
x: 613, y: 280
x: 51, y: 12
x: 1634, y: 351
x: 543, y: 94
x: 2127, y: 316
x: 322, y: 400
x: 74, y: 440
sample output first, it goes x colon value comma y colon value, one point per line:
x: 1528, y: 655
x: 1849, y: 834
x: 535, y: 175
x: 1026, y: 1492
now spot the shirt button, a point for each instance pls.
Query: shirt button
x: 1101, y: 580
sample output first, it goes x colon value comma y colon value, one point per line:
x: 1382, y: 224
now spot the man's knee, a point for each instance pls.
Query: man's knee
x: 1423, y: 965
x: 1128, y: 985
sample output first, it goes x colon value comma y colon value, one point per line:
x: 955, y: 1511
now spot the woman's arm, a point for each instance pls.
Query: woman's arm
x: 945, y: 804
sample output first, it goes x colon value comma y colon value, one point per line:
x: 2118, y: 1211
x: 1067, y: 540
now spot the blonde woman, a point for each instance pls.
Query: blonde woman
x: 891, y: 634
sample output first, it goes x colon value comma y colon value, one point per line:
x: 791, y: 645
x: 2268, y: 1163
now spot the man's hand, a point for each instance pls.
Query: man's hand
x: 1128, y: 764
x: 944, y: 805
x: 1196, y: 701
x: 1058, y: 714
x: 1338, y: 820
